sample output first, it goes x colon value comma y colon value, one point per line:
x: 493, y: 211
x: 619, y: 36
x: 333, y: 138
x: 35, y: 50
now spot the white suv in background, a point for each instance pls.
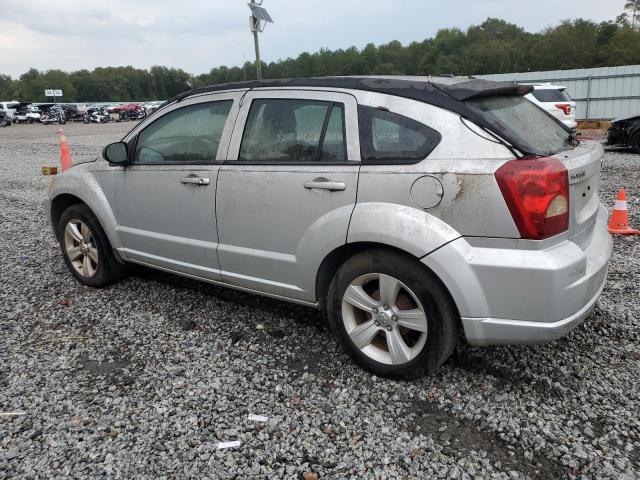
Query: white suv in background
x: 555, y: 100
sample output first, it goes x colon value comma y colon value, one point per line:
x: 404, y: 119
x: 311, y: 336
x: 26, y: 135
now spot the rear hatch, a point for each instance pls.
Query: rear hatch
x: 583, y: 164
x: 542, y: 142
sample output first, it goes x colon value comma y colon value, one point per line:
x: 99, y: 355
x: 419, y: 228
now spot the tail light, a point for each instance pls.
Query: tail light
x: 536, y: 191
x: 565, y: 107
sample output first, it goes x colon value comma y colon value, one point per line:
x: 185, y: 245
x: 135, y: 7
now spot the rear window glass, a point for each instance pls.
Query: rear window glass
x: 386, y: 137
x: 551, y: 95
x: 522, y: 123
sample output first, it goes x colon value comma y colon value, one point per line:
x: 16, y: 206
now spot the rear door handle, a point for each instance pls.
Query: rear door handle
x: 325, y: 184
x: 201, y: 181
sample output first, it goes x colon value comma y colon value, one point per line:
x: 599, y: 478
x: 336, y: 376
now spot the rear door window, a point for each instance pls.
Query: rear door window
x: 189, y: 135
x: 287, y: 130
x: 522, y: 123
x: 387, y: 137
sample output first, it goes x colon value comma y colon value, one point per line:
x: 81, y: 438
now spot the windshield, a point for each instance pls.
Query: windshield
x: 517, y: 120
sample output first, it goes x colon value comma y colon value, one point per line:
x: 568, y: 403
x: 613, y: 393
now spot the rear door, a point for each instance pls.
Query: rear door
x: 286, y: 194
x: 165, y: 199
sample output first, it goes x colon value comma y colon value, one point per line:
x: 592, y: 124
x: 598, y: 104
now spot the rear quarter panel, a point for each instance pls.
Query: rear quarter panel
x: 463, y: 163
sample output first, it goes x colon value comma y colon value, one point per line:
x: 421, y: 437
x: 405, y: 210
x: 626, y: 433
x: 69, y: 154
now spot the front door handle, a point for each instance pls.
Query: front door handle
x: 193, y: 180
x: 325, y: 184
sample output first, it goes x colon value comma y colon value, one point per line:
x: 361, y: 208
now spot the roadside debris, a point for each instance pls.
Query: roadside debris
x: 257, y: 418
x: 225, y: 445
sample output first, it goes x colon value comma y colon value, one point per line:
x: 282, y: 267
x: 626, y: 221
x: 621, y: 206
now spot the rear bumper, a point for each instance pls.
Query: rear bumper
x: 496, y: 331
x: 523, y: 296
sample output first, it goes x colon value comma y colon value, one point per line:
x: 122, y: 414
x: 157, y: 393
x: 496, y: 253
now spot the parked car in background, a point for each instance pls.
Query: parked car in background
x: 9, y: 108
x: 97, y: 114
x: 52, y: 113
x: 407, y: 208
x: 625, y: 132
x: 555, y: 100
x: 26, y: 113
x: 74, y: 112
x: 131, y: 111
x: 151, y: 107
x: 5, y: 120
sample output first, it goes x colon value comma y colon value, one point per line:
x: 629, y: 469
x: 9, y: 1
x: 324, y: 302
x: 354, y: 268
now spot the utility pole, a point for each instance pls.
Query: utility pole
x: 256, y: 42
x: 259, y: 19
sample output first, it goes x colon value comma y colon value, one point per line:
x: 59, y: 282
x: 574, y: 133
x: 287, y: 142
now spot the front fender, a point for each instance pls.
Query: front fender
x: 82, y: 183
x: 410, y: 229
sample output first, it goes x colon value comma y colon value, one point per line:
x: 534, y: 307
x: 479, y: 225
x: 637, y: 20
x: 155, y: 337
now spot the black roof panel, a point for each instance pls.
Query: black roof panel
x: 425, y: 89
x: 448, y: 93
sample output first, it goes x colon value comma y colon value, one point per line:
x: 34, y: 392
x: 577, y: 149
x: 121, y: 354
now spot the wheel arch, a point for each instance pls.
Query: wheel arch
x: 340, y: 255
x: 59, y: 204
x: 99, y: 207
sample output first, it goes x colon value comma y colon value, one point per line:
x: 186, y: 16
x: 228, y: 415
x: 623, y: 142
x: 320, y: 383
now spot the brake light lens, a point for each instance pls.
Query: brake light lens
x: 536, y: 191
x: 565, y: 107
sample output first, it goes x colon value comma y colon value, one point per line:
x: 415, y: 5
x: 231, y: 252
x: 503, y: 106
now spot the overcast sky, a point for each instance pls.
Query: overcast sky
x: 197, y: 35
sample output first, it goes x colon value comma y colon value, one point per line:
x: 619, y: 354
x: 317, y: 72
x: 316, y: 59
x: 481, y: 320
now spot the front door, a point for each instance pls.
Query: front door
x: 286, y: 195
x: 165, y: 199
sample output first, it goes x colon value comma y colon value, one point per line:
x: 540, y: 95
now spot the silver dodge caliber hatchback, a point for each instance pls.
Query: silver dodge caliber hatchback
x: 409, y: 208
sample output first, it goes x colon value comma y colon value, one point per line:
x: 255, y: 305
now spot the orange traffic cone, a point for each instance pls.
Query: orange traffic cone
x: 620, y: 219
x: 65, y: 155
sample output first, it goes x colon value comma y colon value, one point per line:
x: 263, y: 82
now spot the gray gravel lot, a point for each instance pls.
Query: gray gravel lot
x: 145, y: 378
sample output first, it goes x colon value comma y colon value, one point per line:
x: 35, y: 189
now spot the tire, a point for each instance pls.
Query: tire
x: 30, y: 121
x: 635, y: 142
x: 95, y: 264
x: 418, y: 290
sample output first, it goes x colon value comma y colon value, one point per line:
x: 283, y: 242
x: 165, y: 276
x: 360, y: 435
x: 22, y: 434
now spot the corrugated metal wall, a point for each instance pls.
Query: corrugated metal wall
x: 601, y: 93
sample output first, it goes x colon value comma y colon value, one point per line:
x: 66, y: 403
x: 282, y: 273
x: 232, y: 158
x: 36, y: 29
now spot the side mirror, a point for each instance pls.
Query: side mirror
x: 116, y: 153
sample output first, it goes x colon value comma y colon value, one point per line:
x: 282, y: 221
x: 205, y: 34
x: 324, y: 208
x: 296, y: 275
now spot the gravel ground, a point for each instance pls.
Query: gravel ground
x: 145, y: 378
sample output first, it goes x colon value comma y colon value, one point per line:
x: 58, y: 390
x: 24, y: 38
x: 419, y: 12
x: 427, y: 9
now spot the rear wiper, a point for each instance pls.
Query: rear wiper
x: 572, y: 139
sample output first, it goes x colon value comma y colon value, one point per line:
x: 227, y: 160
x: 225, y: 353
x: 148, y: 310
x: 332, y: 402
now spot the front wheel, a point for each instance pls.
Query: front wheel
x: 391, y: 315
x: 86, y: 249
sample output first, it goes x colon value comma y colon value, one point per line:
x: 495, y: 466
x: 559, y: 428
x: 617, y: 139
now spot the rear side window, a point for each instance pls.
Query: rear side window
x: 283, y: 130
x: 387, y: 137
x: 189, y: 135
x: 551, y: 95
x: 522, y: 123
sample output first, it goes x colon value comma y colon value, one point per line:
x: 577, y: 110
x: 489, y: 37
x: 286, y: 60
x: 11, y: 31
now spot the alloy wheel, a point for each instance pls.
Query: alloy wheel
x: 80, y: 247
x: 384, y: 319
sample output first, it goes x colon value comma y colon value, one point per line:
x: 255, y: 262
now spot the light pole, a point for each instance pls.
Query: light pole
x: 258, y: 21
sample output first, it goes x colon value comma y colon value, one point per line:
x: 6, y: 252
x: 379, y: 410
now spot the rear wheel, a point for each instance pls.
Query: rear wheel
x: 86, y: 249
x: 391, y: 315
x: 635, y: 142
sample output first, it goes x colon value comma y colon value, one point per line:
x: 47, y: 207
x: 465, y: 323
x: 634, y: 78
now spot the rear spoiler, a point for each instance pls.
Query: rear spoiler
x: 482, y: 88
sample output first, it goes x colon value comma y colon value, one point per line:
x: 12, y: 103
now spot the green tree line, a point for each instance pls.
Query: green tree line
x: 495, y: 46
